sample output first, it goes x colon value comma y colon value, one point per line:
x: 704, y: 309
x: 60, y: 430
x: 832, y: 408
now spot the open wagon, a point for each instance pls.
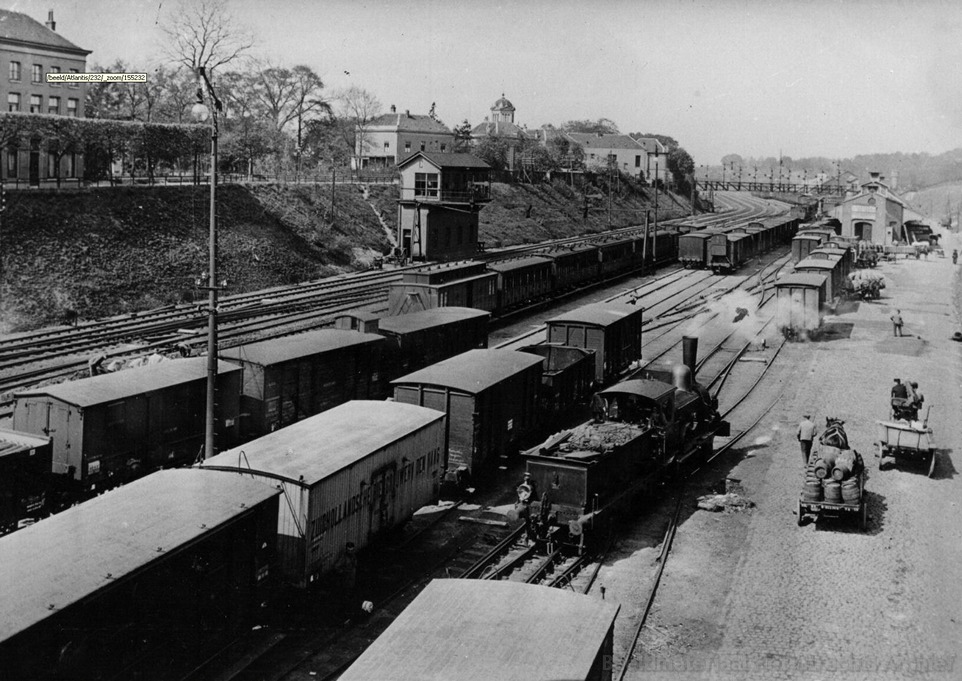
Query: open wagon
x: 818, y: 505
x: 909, y: 439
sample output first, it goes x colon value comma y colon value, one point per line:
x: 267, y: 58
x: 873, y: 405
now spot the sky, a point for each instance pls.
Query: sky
x: 832, y: 78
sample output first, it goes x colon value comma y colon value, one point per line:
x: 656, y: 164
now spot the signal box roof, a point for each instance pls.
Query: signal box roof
x: 473, y: 371
x: 805, y: 279
x: 479, y: 630
x: 311, y: 450
x: 119, y: 385
x: 597, y: 314
x: 69, y: 556
x: 277, y: 350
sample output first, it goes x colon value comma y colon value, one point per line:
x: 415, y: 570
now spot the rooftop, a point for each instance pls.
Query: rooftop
x: 429, y: 319
x: 446, y: 160
x: 67, y: 557
x: 317, y: 447
x: 277, y: 350
x: 478, y: 630
x: 473, y: 371
x: 597, y: 314
x: 407, y: 122
x: 20, y: 28
x: 801, y: 279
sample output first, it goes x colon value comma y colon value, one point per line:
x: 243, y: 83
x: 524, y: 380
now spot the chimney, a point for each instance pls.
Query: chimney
x: 689, y: 353
x: 874, y: 176
x: 51, y: 24
x: 393, y: 109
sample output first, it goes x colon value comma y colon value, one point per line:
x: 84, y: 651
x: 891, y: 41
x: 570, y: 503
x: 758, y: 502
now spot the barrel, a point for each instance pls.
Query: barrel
x: 833, y: 492
x: 844, y: 465
x: 828, y: 455
x: 850, y: 493
x: 812, y: 491
x: 822, y: 469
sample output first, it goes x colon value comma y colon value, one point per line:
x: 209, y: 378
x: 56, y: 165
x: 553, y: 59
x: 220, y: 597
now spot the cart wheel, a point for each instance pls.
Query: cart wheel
x: 932, y: 464
x: 799, y: 518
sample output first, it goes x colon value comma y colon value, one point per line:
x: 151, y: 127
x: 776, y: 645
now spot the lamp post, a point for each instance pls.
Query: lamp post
x: 201, y: 112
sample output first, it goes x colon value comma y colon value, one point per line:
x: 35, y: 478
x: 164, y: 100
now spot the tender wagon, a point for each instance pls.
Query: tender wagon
x: 612, y: 330
x: 290, y: 378
x: 143, y: 582
x: 491, y: 399
x: 347, y: 475
x: 109, y: 429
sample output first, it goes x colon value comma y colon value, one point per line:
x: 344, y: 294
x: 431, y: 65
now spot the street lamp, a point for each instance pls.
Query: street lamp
x: 202, y: 113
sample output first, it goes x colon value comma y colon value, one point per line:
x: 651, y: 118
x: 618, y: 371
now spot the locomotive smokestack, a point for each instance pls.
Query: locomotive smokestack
x: 689, y: 350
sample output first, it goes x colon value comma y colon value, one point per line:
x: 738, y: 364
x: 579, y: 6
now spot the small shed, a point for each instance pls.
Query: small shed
x: 479, y: 630
x: 490, y: 397
x: 420, y: 339
x: 612, y: 330
x: 108, y: 429
x: 347, y: 474
x: 290, y: 378
x: 180, y: 560
x: 25, y: 464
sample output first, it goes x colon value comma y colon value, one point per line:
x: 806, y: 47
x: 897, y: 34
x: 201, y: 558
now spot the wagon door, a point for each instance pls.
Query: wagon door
x: 383, y: 499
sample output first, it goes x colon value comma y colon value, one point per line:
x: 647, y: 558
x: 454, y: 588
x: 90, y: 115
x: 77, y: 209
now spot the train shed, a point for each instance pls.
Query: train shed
x: 180, y: 560
x: 109, y: 429
x: 478, y: 630
x: 288, y: 379
x: 612, y: 330
x: 491, y: 399
x: 347, y: 475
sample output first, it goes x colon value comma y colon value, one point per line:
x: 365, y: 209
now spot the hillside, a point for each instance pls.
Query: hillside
x: 99, y: 252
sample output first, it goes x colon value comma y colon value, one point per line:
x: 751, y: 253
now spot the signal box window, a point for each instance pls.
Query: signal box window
x: 426, y: 184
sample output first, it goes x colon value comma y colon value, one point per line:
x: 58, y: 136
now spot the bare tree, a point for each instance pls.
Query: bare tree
x: 205, y: 33
x: 360, y: 107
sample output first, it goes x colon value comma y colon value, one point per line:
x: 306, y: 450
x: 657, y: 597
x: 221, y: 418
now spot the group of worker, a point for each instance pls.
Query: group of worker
x: 907, y: 399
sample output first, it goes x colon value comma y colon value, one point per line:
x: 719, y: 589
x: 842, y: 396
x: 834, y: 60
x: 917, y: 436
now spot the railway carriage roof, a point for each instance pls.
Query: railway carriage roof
x: 597, y: 314
x: 807, y: 237
x: 473, y: 371
x: 807, y: 279
x: 810, y: 263
x: 118, y: 385
x: 13, y: 442
x: 474, y: 630
x: 319, y: 446
x: 518, y: 263
x: 71, y: 555
x: 695, y: 235
x: 429, y: 319
x: 276, y: 350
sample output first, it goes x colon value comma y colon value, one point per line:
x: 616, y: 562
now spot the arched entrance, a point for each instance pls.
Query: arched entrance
x: 862, y: 230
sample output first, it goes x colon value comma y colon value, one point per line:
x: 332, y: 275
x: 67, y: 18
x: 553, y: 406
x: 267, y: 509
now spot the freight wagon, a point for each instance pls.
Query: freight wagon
x: 799, y: 300
x: 693, y: 249
x: 347, y: 475
x: 612, y: 330
x: 567, y: 378
x: 835, y: 283
x: 803, y: 244
x: 290, y: 378
x: 143, y: 583
x: 471, y: 630
x: 461, y: 284
x: 574, y: 265
x: 728, y: 251
x: 109, y: 429
x: 490, y: 397
x: 25, y: 464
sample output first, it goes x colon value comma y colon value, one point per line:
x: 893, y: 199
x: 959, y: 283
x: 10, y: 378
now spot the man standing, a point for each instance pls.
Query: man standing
x: 805, y: 434
x: 897, y: 323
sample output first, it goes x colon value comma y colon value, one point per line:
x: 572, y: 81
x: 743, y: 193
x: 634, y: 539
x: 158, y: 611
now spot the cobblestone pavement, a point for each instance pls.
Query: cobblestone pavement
x: 825, y: 601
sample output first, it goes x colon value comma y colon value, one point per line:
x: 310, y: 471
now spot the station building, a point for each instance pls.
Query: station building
x: 440, y: 198
x: 29, y: 51
x: 875, y: 213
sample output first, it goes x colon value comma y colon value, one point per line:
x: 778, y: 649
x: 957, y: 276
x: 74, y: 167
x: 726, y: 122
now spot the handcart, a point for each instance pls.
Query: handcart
x: 908, y: 439
x: 858, y: 507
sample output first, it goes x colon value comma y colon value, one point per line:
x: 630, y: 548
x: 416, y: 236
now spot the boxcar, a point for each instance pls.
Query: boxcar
x: 803, y: 244
x: 490, y: 397
x: 822, y: 233
x: 462, y: 284
x: 728, y: 251
x: 617, y: 256
x: 493, y: 630
x: 25, y: 464
x: 693, y: 249
x: 841, y: 256
x: 420, y: 339
x: 611, y: 330
x: 574, y: 265
x: 522, y: 280
x: 662, y: 248
x: 348, y: 474
x: 567, y: 377
x: 835, y: 284
x: 799, y: 302
x: 109, y: 429
x: 290, y: 378
x: 141, y: 583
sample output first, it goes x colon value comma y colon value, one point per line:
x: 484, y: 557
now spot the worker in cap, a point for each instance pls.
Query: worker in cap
x: 805, y: 434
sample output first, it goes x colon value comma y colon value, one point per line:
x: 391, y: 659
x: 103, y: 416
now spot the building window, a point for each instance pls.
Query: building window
x: 14, y: 70
x: 53, y: 105
x: 422, y: 146
x: 36, y: 104
x: 72, y: 105
x: 36, y: 73
x: 12, y: 162
x: 74, y: 84
x: 444, y: 147
x: 407, y: 146
x: 71, y: 165
x: 52, y: 164
x: 387, y: 145
x: 54, y: 69
x: 426, y: 184
x: 13, y: 102
x: 637, y: 161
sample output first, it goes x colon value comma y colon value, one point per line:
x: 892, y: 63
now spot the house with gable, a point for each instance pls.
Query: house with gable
x: 392, y: 137
x: 636, y: 157
x: 875, y: 213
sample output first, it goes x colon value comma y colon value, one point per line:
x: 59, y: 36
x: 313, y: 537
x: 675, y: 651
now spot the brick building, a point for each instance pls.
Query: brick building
x: 29, y: 51
x: 874, y: 214
x: 392, y: 137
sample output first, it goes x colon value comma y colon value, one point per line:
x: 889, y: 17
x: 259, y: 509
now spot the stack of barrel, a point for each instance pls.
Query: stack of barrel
x: 833, y: 476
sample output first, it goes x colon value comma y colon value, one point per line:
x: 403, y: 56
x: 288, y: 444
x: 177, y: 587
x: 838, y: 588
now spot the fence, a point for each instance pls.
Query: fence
x: 347, y: 177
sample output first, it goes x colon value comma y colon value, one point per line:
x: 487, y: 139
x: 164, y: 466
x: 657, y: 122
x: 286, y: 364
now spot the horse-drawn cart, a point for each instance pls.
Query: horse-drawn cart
x: 834, y: 479
x: 909, y: 439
